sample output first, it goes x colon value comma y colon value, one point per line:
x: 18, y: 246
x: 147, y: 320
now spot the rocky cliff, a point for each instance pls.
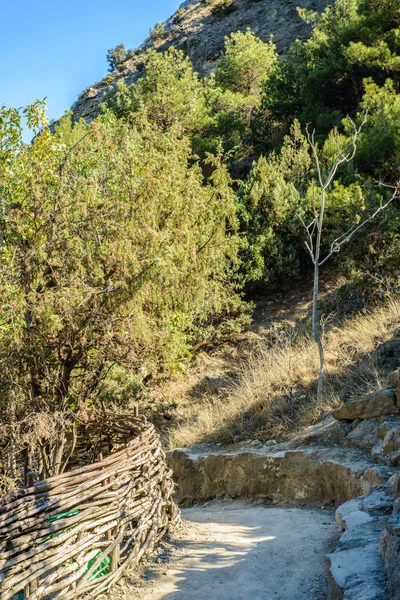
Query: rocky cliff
x: 198, y: 30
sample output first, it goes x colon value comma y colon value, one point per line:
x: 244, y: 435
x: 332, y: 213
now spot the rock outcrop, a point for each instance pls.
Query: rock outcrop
x: 313, y: 475
x: 366, y: 563
x: 356, y: 569
x: 383, y: 402
x: 390, y: 550
x: 200, y: 34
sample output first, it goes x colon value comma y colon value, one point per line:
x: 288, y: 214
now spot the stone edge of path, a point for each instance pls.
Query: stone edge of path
x: 352, y: 463
x: 316, y: 475
x: 312, y: 476
x: 361, y: 568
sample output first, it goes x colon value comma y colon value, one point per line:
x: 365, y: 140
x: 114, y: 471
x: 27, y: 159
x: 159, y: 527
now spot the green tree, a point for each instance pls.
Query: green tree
x: 170, y: 92
x: 269, y: 205
x: 222, y: 7
x: 294, y: 160
x: 116, y: 57
x: 379, y: 152
x: 233, y: 93
x: 246, y: 63
x: 115, y: 256
x: 322, y: 80
x: 158, y: 32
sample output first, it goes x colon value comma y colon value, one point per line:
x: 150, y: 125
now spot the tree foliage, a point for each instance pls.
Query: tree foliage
x: 116, y: 57
x: 269, y: 206
x: 126, y: 242
x: 115, y: 255
x: 322, y: 81
x: 246, y: 63
x: 171, y: 92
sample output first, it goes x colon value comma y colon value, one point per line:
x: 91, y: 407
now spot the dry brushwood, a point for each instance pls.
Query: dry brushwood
x: 73, y: 535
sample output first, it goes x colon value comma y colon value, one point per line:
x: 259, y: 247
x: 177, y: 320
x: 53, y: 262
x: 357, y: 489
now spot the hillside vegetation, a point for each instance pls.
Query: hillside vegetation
x: 128, y: 242
x: 272, y: 393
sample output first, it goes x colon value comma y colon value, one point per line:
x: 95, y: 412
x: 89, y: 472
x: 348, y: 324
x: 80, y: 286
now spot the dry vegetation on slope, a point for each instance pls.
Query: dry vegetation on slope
x: 271, y: 393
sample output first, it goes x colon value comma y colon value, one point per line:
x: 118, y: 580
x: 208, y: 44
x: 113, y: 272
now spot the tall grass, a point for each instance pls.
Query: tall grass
x: 275, y: 392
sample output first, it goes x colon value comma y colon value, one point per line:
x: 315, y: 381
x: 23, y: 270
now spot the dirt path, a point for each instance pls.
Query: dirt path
x: 237, y: 551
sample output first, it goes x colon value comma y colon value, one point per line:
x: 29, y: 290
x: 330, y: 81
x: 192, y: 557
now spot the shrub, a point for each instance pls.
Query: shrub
x: 116, y: 57
x: 223, y: 7
x: 132, y: 52
x: 158, y: 32
x: 178, y: 16
x: 135, y: 261
x: 246, y: 64
x: 171, y: 92
x: 269, y: 205
x: 107, y: 80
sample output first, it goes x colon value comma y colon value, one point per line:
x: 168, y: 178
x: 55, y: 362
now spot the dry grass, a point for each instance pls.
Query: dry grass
x: 274, y: 394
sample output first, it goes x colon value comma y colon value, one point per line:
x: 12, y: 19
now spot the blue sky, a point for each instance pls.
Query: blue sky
x: 57, y: 48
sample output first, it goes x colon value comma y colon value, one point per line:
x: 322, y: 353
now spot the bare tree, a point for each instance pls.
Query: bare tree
x: 315, y: 228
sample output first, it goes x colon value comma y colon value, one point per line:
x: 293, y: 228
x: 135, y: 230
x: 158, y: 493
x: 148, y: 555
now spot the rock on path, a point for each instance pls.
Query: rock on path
x: 233, y: 550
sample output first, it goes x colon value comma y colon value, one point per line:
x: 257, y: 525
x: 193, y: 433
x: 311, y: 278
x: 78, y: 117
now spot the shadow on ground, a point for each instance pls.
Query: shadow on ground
x: 237, y: 551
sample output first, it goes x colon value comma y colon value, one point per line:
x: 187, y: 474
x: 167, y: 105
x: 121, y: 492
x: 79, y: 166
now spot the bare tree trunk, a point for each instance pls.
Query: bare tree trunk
x: 316, y: 329
x: 344, y: 155
x: 57, y: 458
x: 317, y: 335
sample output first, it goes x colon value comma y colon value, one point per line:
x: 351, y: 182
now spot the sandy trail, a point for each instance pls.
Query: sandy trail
x: 239, y: 551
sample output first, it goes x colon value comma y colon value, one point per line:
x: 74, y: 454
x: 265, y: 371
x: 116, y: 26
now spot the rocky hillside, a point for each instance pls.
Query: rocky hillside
x: 199, y: 30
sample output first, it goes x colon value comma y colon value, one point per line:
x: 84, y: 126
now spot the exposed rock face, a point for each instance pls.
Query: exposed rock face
x: 355, y: 575
x: 394, y: 379
x: 329, y: 432
x: 374, y: 421
x: 366, y: 564
x: 308, y: 475
x: 364, y: 435
x: 200, y: 34
x: 356, y: 570
x: 391, y: 441
x: 377, y: 404
x: 390, y: 549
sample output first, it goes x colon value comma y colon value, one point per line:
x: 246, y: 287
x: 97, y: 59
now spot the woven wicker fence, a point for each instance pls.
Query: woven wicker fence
x: 73, y: 535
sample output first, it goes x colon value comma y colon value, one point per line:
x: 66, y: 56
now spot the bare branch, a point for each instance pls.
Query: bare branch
x: 347, y: 153
x: 343, y: 155
x: 336, y: 245
x: 309, y: 244
x: 311, y: 141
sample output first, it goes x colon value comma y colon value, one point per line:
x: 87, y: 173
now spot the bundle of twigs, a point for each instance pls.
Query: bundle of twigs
x: 73, y: 535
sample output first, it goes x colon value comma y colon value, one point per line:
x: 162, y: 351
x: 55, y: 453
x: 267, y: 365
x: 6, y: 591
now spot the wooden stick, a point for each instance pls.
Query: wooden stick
x: 122, y: 506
